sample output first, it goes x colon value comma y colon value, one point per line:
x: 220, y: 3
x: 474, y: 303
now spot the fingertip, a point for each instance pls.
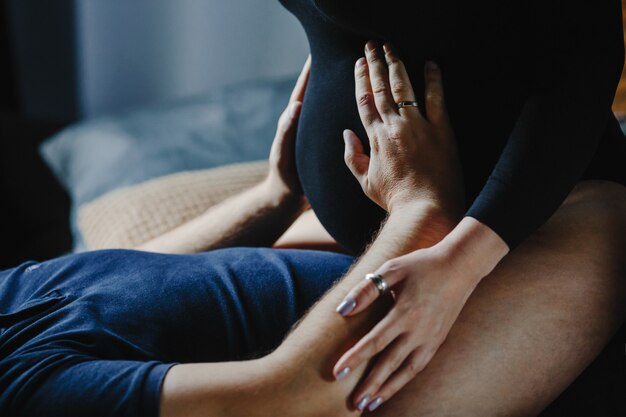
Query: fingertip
x: 432, y: 66
x: 352, y: 141
x: 346, y: 306
x: 341, y: 372
x: 375, y: 403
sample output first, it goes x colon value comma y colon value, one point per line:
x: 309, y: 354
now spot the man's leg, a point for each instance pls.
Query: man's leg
x: 529, y: 329
x: 95, y: 333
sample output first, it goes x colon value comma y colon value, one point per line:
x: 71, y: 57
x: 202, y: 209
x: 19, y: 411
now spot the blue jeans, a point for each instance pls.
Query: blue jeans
x: 95, y: 333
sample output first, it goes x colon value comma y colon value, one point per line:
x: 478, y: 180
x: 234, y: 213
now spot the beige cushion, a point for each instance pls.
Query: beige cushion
x: 128, y: 217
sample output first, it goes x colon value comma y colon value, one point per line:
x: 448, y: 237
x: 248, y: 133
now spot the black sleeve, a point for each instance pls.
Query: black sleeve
x: 579, y: 55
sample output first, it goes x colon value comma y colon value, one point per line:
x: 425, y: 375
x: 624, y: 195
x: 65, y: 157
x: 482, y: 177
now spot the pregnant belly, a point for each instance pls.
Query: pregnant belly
x: 333, y: 192
x: 483, y: 112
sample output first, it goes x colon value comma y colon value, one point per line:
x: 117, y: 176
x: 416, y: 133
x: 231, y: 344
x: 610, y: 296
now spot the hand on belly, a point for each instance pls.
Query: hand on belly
x: 413, y: 167
x: 413, y: 158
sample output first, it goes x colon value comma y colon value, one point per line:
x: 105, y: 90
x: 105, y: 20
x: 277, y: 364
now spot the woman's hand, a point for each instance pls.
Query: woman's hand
x: 413, y: 158
x: 282, y: 172
x: 430, y: 289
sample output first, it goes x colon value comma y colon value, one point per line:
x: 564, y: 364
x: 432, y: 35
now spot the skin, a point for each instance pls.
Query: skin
x: 259, y: 215
x: 303, y: 363
x: 429, y: 294
x: 525, y: 329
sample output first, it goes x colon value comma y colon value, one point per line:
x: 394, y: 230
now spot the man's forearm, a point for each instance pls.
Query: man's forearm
x: 301, y: 368
x: 255, y: 217
x: 413, y: 227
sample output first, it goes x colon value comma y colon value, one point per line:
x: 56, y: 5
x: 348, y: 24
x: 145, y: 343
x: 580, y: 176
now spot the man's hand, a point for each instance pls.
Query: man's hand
x: 282, y: 175
x: 257, y: 216
x: 412, y: 157
x: 413, y: 161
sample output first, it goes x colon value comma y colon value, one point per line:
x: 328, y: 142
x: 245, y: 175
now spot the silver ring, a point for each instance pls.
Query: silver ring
x: 408, y: 104
x: 379, y: 282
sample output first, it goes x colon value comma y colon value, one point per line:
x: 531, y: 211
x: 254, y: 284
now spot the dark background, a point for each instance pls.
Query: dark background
x: 34, y: 208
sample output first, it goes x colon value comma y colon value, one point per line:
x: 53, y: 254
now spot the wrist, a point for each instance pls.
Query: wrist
x: 428, y: 221
x: 473, y: 248
x: 276, y: 192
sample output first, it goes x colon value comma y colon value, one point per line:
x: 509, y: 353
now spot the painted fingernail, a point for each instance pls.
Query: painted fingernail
x: 360, y: 62
x: 342, y: 374
x: 375, y: 404
x: 363, y: 403
x: 346, y: 306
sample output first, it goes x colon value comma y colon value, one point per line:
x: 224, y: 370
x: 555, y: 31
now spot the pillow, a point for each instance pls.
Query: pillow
x: 133, y: 215
x: 233, y: 124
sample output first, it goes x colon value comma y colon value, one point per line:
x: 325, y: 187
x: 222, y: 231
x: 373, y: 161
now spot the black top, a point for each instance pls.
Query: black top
x: 529, y: 87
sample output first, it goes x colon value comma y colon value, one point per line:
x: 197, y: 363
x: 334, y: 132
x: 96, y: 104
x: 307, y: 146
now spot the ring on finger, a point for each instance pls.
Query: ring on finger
x: 379, y: 282
x: 403, y: 104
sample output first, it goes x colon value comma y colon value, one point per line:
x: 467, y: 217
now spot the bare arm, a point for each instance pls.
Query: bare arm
x: 285, y: 382
x: 300, y: 370
x: 430, y: 285
x: 257, y: 216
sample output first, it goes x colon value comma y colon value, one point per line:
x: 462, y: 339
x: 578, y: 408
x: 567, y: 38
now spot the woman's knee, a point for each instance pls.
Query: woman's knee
x: 606, y: 198
x: 595, y: 211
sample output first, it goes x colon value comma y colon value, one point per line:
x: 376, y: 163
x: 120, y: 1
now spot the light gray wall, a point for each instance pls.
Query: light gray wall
x: 134, y: 52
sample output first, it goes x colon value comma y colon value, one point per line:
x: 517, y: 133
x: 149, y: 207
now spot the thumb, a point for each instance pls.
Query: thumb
x: 355, y: 157
x: 289, y: 121
x: 284, y: 140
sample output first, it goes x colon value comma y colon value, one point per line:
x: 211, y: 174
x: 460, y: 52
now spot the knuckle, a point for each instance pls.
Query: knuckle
x: 392, y: 265
x: 396, y: 361
x: 415, y: 367
x: 378, y: 344
x: 405, y: 310
x: 366, y: 291
x: 398, y: 87
x: 365, y: 99
x: 369, y: 291
x: 395, y: 132
x: 373, y: 57
x: 435, y: 97
x: 414, y: 314
x: 369, y: 120
x: 417, y: 363
x: 392, y: 59
x: 379, y: 88
x: 360, y: 292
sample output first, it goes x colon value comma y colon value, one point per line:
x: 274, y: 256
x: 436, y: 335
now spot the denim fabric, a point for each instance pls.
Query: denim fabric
x: 95, y: 333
